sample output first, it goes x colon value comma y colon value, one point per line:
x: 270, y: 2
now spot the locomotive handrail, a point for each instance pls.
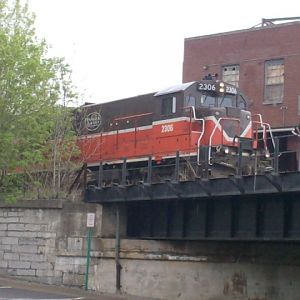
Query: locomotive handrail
x: 199, y: 141
x: 133, y: 116
x: 192, y: 108
x: 259, y: 117
x: 264, y: 125
x: 127, y: 118
x: 213, y: 132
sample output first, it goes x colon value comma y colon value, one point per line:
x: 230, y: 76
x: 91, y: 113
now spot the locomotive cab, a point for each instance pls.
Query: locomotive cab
x: 219, y: 121
x: 225, y: 107
x: 217, y: 109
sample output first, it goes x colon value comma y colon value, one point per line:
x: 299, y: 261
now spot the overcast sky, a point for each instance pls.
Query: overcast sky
x: 123, y: 48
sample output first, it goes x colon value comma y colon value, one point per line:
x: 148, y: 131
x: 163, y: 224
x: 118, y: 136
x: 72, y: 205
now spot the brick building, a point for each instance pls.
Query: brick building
x: 265, y: 63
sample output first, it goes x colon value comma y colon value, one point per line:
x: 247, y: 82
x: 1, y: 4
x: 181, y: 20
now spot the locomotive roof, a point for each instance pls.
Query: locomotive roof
x: 175, y: 89
x: 88, y: 104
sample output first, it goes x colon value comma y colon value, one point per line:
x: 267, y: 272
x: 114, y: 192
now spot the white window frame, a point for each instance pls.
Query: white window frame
x: 174, y: 105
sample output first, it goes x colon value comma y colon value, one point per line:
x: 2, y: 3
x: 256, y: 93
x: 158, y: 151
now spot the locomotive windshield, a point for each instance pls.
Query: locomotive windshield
x: 216, y: 94
x: 219, y: 101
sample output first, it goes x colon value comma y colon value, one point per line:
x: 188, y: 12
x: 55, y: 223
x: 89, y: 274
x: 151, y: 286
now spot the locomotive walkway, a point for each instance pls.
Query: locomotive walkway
x: 202, y: 188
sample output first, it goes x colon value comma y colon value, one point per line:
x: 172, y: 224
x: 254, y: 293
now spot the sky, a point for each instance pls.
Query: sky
x: 124, y: 48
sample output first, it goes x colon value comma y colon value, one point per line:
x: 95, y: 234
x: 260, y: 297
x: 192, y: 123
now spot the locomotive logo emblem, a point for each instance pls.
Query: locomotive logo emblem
x: 93, y: 121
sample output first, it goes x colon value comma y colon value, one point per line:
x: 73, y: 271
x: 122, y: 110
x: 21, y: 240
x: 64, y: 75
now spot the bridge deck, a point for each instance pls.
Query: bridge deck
x: 264, y: 207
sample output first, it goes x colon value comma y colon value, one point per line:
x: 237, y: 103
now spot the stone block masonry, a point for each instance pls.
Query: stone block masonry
x: 46, y: 242
x: 33, y: 233
x: 27, y: 240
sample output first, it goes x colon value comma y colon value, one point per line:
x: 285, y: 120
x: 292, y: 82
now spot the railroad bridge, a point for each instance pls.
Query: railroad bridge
x: 243, y: 229
x: 249, y: 208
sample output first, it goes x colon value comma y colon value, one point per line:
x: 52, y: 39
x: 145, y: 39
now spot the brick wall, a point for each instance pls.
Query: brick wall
x: 250, y: 49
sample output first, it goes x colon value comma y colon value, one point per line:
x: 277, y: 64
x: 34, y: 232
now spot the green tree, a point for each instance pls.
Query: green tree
x: 35, y: 92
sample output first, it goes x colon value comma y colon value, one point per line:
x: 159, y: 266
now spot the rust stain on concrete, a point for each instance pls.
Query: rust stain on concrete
x: 237, y: 285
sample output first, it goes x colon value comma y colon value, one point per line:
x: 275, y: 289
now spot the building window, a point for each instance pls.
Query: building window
x: 231, y: 74
x: 168, y: 106
x: 274, y: 80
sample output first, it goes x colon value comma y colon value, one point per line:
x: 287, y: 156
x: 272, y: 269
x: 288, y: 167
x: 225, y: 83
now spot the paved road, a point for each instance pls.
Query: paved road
x: 7, y: 292
x: 11, y: 289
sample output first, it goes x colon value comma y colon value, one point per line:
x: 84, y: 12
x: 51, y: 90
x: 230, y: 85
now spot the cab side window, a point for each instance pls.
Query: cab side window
x: 168, y: 106
x: 190, y: 100
x: 242, y: 104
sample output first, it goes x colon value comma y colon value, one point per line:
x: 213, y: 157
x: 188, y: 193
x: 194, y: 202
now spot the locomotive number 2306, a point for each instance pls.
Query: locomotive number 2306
x: 167, y: 128
x: 206, y: 87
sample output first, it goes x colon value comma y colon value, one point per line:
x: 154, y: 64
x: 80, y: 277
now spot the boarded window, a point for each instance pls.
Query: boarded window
x: 274, y: 81
x: 231, y: 74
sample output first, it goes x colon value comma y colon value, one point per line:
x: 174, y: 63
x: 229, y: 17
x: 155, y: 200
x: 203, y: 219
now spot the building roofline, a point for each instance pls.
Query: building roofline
x: 242, y: 30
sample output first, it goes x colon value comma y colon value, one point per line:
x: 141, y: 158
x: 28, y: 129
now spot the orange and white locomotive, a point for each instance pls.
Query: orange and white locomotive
x: 203, y: 122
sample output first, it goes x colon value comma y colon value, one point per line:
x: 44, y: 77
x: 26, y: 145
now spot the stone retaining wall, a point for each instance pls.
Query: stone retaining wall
x: 46, y: 242
x: 37, y: 238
